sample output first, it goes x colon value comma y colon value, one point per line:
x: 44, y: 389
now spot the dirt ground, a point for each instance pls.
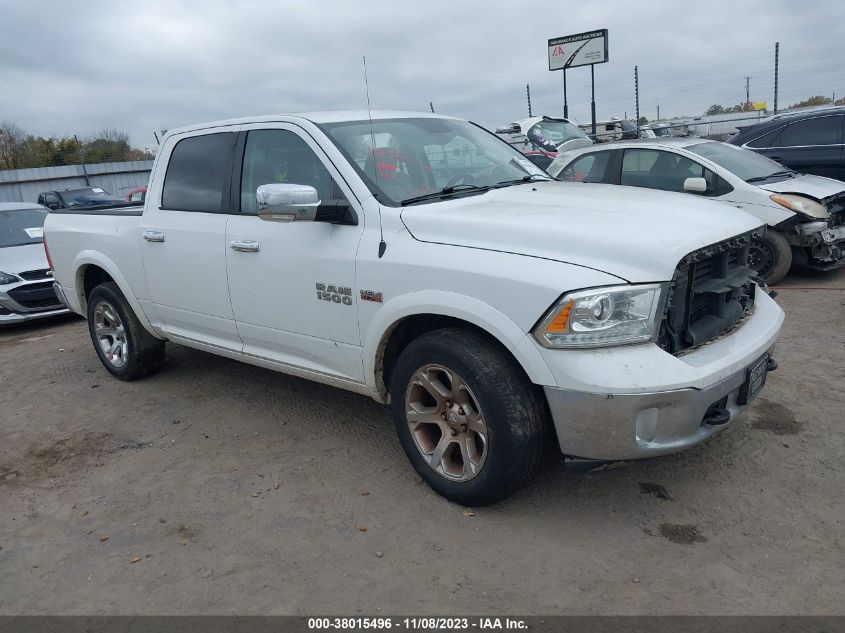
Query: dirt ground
x: 237, y: 490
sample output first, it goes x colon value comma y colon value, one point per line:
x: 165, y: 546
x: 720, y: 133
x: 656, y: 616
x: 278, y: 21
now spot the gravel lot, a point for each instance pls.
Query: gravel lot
x: 238, y: 490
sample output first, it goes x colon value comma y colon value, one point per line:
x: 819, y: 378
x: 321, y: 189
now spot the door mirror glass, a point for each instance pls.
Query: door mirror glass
x: 287, y: 202
x: 695, y: 185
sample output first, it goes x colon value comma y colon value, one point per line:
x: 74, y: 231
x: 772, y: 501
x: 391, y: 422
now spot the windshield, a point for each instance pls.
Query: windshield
x: 550, y: 134
x: 19, y: 227
x: 742, y: 163
x: 399, y: 159
x: 87, y: 196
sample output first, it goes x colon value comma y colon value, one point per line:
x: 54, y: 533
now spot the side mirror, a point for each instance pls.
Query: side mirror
x: 695, y: 185
x: 52, y: 206
x: 282, y: 202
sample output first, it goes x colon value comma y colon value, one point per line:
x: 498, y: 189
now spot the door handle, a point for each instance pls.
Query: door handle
x: 154, y: 236
x: 245, y: 246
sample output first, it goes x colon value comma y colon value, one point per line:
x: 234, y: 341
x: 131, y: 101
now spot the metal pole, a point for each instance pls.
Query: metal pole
x: 565, y: 103
x: 637, y: 97
x: 431, y: 105
x: 593, y: 95
x: 747, y: 90
x: 777, y: 54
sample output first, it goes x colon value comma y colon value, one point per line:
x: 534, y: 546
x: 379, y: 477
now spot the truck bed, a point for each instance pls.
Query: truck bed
x: 129, y: 208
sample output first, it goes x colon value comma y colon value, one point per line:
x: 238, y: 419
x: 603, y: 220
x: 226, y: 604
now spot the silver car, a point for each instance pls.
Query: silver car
x: 26, y: 281
x: 805, y: 214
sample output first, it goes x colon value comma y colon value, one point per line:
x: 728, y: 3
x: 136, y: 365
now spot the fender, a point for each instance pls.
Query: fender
x: 459, y: 306
x: 96, y: 258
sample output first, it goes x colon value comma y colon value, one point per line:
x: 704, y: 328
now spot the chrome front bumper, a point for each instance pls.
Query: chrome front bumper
x: 635, y: 426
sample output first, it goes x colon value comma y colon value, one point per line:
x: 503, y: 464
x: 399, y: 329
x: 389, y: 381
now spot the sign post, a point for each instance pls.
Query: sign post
x: 581, y: 49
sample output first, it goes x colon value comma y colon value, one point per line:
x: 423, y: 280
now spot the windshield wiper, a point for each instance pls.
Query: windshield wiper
x: 446, y: 192
x: 519, y: 181
x: 785, y: 172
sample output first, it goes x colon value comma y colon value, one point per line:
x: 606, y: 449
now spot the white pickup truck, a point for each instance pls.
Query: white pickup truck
x: 422, y: 261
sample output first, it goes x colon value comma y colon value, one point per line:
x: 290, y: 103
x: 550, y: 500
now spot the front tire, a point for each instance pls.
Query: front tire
x: 125, y: 348
x: 469, y: 420
x: 771, y: 257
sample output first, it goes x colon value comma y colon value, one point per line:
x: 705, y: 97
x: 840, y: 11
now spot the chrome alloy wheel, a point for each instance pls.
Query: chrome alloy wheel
x: 446, y: 422
x: 111, y: 334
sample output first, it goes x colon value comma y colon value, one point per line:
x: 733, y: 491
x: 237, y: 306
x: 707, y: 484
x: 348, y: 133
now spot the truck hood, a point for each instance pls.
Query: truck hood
x: 17, y: 259
x: 638, y: 235
x: 817, y: 187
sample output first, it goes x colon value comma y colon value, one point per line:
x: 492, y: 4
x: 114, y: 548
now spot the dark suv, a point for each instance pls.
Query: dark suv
x: 811, y: 142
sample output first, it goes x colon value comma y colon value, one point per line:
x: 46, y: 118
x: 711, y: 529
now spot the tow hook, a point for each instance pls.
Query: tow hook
x: 715, y: 417
x: 771, y: 364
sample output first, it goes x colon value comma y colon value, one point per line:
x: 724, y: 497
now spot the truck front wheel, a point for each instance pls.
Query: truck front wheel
x: 468, y: 418
x: 125, y: 348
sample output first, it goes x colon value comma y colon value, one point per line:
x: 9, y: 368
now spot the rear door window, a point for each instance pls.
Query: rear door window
x: 823, y: 130
x: 197, y: 173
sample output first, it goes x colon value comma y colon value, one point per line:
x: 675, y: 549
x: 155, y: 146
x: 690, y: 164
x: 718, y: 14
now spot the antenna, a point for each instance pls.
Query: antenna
x: 382, y: 246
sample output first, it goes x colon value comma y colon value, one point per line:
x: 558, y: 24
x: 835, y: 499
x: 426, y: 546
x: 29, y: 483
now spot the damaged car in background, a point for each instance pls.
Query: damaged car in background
x: 804, y: 214
x: 540, y: 138
x: 26, y: 281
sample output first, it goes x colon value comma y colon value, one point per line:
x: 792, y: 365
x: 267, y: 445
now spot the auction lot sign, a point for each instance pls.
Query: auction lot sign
x: 581, y: 49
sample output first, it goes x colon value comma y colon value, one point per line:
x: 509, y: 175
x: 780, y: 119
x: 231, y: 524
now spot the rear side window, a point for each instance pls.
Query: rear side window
x: 589, y: 168
x: 764, y: 141
x: 823, y: 130
x: 197, y: 171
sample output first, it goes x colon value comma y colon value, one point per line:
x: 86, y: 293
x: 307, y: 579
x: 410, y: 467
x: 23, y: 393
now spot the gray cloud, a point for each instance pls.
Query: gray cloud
x: 142, y: 66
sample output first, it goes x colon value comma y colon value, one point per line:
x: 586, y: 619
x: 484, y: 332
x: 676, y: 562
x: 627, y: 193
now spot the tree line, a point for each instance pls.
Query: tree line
x: 20, y: 150
x: 817, y: 100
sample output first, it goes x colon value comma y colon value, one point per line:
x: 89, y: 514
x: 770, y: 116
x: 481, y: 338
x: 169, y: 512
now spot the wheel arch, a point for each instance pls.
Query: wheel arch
x: 93, y: 268
x: 404, y: 318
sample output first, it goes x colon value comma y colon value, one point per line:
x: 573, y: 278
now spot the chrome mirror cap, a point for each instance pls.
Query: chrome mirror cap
x: 284, y: 202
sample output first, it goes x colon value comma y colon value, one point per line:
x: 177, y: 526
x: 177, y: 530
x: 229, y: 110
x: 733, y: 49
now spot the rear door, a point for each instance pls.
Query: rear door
x: 183, y: 239
x: 293, y: 286
x: 811, y: 146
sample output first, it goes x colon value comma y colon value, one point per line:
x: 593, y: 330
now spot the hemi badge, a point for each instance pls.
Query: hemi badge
x: 371, y: 295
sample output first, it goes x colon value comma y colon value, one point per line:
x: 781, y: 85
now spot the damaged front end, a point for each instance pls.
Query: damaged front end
x: 711, y: 295
x: 820, y: 244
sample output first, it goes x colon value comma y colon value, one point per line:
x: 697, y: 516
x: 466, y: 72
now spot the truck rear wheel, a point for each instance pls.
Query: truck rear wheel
x: 469, y: 420
x: 125, y: 348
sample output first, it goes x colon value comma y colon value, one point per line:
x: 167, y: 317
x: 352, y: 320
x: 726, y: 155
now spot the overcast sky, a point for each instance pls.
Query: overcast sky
x: 77, y: 67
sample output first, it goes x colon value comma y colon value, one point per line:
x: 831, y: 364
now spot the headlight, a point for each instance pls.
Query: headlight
x: 615, y: 315
x: 800, y: 204
x: 6, y: 278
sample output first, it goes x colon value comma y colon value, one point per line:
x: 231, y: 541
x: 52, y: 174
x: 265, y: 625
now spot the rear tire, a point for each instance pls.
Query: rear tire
x: 469, y: 420
x: 772, y: 255
x: 125, y: 348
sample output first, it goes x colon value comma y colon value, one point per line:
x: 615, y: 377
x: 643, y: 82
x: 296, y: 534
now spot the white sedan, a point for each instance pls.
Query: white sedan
x: 805, y: 214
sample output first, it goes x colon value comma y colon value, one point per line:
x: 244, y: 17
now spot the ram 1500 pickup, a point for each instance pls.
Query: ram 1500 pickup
x: 422, y: 261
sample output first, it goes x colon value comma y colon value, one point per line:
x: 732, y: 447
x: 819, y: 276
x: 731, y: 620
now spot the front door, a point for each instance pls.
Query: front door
x: 183, y: 241
x: 292, y: 284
